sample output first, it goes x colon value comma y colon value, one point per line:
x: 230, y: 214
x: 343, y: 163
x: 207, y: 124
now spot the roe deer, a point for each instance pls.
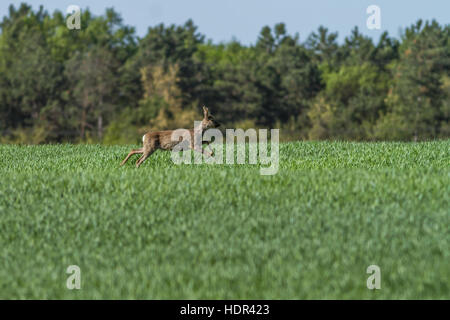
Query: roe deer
x: 163, y: 140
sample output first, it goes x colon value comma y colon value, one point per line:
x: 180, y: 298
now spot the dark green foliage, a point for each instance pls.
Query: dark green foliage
x: 102, y: 83
x: 415, y: 104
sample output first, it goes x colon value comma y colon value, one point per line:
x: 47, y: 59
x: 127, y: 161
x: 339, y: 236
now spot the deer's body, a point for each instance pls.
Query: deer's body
x: 163, y: 140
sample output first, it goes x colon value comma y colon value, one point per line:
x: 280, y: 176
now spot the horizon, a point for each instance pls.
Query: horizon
x: 340, y: 18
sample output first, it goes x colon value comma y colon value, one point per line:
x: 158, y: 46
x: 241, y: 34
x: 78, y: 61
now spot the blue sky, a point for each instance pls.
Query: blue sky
x: 243, y: 19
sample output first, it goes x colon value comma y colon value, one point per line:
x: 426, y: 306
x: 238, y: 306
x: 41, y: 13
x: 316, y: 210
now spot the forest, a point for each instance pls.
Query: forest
x: 104, y: 84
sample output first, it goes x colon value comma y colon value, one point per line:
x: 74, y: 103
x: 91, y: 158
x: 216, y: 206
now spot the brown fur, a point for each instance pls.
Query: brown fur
x: 163, y: 140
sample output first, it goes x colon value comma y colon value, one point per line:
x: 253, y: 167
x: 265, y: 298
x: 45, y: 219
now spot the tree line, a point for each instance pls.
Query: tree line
x: 104, y: 84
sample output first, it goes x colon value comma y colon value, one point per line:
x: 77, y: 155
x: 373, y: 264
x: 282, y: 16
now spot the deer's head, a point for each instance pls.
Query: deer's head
x: 208, y: 120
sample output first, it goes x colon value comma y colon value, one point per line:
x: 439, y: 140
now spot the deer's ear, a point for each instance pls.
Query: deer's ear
x: 205, y: 111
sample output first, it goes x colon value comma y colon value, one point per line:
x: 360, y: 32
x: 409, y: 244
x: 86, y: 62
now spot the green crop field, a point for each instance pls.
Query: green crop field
x: 167, y: 231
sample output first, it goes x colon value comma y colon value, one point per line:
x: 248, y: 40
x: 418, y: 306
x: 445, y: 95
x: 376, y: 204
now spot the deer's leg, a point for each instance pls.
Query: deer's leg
x: 208, y: 148
x: 201, y: 150
x: 132, y: 152
x: 146, y: 154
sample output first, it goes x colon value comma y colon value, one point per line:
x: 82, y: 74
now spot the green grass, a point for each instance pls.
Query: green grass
x: 225, y: 232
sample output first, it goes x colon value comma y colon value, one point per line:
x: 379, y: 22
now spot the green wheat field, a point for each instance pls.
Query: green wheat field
x: 167, y: 231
